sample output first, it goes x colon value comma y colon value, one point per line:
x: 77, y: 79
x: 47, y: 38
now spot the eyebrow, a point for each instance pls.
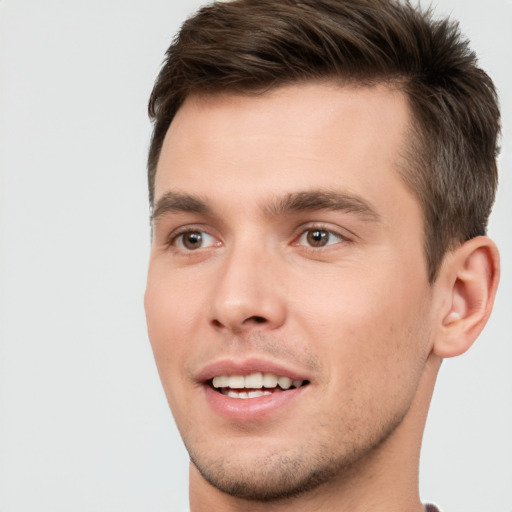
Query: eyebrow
x: 322, y: 200
x: 311, y: 200
x: 174, y: 202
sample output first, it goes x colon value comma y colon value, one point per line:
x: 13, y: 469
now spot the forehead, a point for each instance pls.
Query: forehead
x: 315, y: 135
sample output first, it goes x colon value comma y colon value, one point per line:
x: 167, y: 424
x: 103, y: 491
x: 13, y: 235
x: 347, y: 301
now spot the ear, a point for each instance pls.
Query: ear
x: 467, y: 283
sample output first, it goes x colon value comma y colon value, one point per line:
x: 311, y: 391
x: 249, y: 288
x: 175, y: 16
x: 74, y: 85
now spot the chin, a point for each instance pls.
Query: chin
x: 277, y: 475
x: 273, y: 472
x: 272, y: 479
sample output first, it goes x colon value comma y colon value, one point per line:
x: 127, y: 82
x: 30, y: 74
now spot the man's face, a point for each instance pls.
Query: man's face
x: 287, y: 248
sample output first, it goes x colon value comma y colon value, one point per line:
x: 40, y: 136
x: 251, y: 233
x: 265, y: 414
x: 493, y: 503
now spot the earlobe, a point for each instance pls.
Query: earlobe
x: 468, y: 279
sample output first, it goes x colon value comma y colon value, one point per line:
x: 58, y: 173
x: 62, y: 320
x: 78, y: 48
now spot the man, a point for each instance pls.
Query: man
x: 320, y: 174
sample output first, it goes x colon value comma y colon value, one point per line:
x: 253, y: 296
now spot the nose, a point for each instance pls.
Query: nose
x: 248, y: 294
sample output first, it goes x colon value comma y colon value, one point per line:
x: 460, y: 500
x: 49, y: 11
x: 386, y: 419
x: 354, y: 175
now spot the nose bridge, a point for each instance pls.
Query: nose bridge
x: 247, y: 292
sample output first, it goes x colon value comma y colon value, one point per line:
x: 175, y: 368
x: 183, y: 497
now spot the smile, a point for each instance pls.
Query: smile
x: 254, y: 385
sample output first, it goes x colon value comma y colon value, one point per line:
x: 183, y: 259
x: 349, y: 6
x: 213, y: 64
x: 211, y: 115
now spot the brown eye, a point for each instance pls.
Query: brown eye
x: 319, y: 238
x: 192, y: 240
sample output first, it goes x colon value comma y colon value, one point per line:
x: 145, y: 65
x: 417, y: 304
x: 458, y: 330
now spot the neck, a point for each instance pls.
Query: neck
x: 385, y: 480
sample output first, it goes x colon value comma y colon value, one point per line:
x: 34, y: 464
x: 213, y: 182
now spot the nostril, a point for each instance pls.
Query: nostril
x: 258, y: 319
x: 252, y: 319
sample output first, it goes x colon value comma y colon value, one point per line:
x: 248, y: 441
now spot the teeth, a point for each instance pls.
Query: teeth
x: 221, y: 382
x: 250, y: 394
x: 236, y: 382
x: 254, y: 381
x: 256, y: 394
x: 284, y: 382
x: 269, y: 380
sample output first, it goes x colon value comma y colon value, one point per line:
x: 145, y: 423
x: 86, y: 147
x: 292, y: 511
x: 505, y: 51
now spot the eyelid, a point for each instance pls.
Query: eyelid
x: 172, y: 238
x: 207, y: 240
x: 338, y: 238
x: 343, y: 233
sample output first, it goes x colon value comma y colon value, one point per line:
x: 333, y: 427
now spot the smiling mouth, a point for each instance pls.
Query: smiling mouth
x: 254, y: 385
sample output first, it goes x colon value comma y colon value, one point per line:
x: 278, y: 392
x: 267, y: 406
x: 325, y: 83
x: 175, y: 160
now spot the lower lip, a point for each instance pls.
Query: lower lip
x: 250, y: 409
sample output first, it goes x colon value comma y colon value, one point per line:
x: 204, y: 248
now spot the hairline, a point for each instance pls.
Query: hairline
x: 393, y: 82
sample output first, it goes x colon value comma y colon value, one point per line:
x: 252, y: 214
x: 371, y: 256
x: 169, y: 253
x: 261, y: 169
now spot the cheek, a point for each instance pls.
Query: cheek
x: 370, y: 328
x: 373, y: 343
x: 171, y: 314
x: 171, y: 304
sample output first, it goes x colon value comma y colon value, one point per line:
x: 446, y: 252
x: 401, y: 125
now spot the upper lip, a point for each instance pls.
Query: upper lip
x: 248, y: 366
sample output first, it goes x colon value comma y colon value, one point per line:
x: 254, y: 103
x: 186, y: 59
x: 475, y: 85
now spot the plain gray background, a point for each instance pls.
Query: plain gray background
x: 84, y: 425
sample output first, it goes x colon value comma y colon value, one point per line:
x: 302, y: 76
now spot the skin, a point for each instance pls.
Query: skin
x: 356, y: 316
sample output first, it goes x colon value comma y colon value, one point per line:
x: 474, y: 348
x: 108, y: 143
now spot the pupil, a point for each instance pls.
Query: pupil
x: 193, y: 240
x: 317, y: 238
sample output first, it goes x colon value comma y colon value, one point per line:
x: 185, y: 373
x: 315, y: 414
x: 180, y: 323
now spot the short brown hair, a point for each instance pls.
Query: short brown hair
x: 253, y: 45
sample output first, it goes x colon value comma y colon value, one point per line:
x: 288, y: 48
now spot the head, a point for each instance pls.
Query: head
x: 321, y: 173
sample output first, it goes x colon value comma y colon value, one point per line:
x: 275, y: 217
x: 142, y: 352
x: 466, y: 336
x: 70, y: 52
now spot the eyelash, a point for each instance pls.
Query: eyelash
x: 322, y: 229
x: 176, y: 239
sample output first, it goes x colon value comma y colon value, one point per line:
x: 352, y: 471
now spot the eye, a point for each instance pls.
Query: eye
x: 319, y: 238
x: 193, y: 240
